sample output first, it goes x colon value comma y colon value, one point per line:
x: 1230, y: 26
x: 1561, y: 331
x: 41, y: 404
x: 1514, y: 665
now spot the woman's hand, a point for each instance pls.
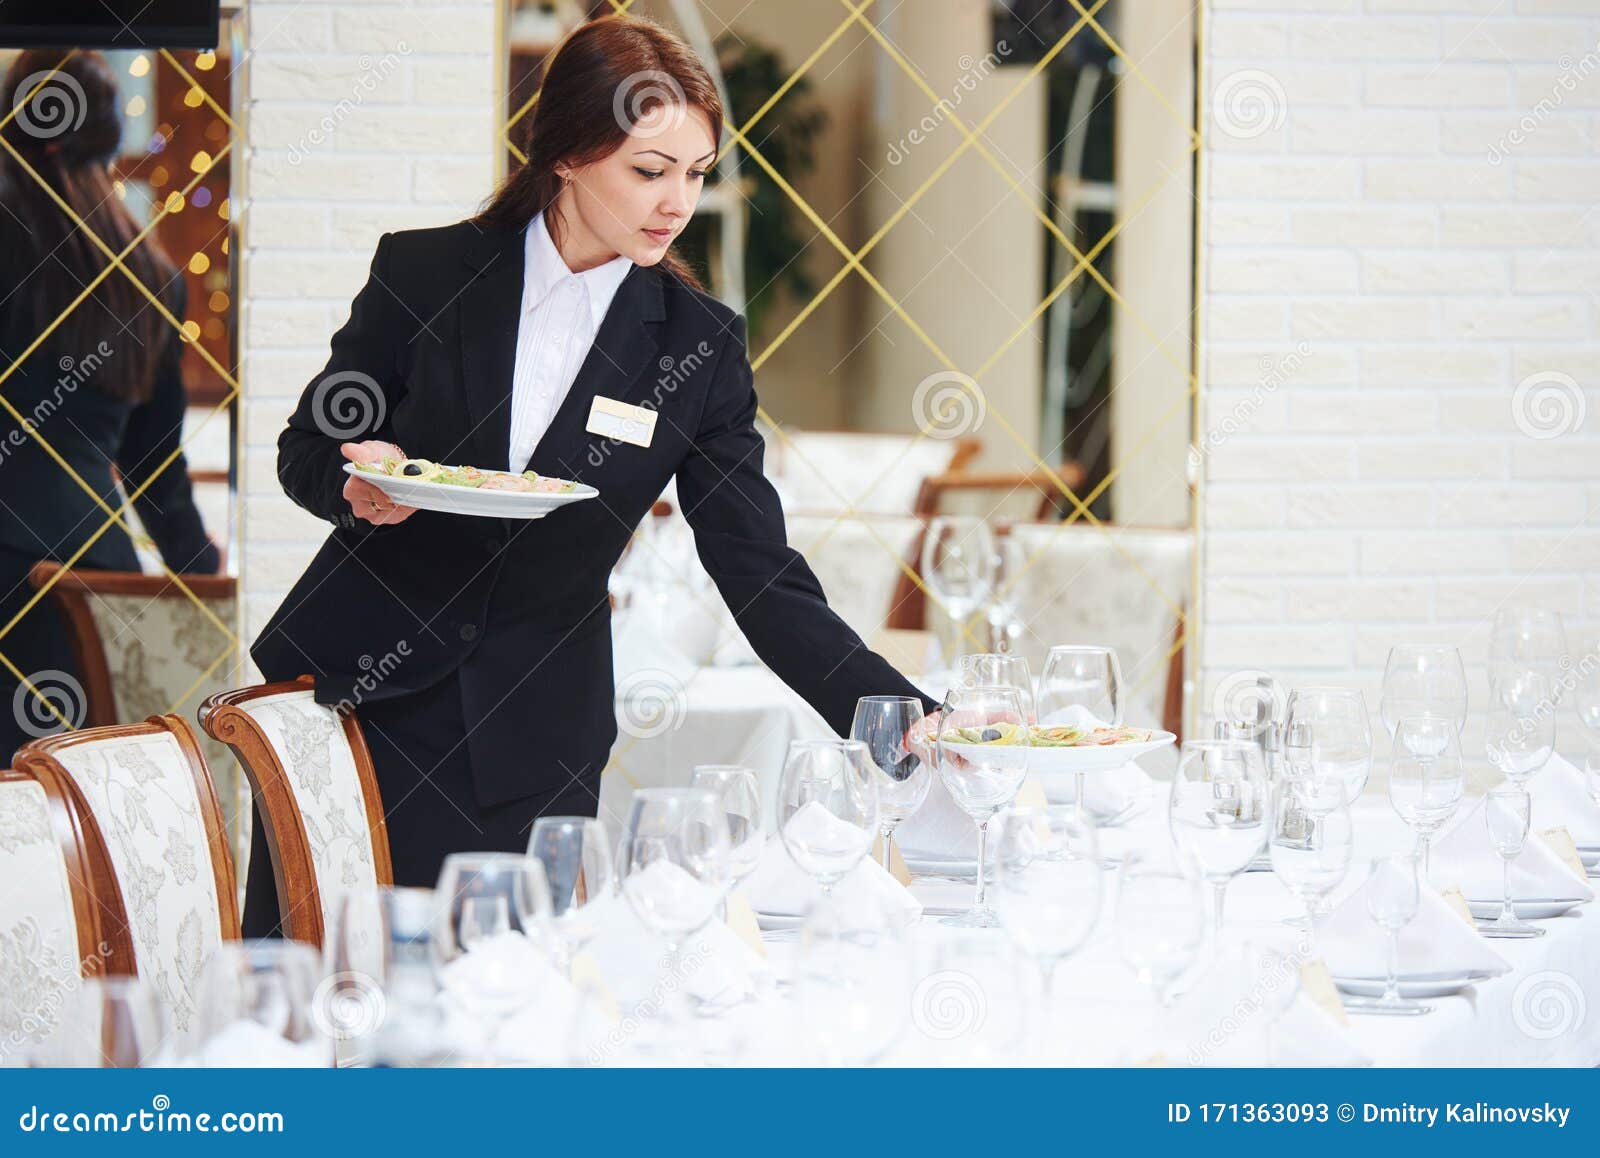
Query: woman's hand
x: 367, y: 501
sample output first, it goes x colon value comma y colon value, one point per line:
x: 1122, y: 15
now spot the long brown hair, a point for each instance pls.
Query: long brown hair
x: 606, y: 72
x: 68, y: 131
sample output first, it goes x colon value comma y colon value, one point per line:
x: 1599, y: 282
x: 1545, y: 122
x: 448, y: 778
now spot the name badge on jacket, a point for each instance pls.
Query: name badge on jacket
x: 621, y: 421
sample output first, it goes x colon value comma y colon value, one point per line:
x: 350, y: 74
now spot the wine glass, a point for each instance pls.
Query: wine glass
x: 379, y: 995
x: 255, y: 1006
x: 882, y: 723
x: 958, y: 567
x: 1521, y: 731
x: 981, y: 750
x: 1001, y: 671
x: 1527, y: 637
x: 1423, y: 680
x: 1081, y: 687
x: 1340, y: 733
x: 1047, y: 885
x: 1010, y: 561
x: 1160, y: 922
x: 828, y: 807
x: 110, y: 1022
x: 1426, y: 779
x: 673, y: 861
x: 852, y: 981
x: 575, y: 854
x: 1507, y: 810
x: 1218, y: 812
x: 1588, y: 703
x: 1311, y: 842
x: 739, y: 793
x: 468, y: 917
x: 1393, y: 894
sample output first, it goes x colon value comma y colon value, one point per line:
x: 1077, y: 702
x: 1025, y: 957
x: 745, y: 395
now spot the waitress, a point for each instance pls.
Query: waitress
x: 477, y: 651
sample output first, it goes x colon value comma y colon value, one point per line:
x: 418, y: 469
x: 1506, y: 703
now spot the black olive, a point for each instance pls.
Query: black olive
x: 411, y: 468
x: 991, y: 734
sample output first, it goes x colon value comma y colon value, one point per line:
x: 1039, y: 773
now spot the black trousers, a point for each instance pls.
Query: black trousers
x: 424, y: 772
x: 38, y: 644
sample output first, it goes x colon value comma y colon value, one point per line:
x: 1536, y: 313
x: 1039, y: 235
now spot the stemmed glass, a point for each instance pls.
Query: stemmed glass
x: 1423, y: 680
x: 958, y: 566
x: 828, y: 807
x: 1521, y: 731
x: 981, y: 750
x: 1009, y: 564
x: 1311, y: 842
x: 255, y: 1006
x: 1001, y: 671
x: 1588, y: 702
x: 379, y: 996
x: 576, y: 856
x: 1047, y: 894
x: 883, y: 723
x: 1524, y: 637
x: 1160, y: 922
x: 673, y: 862
x: 1081, y: 687
x: 114, y: 1022
x: 470, y: 883
x: 1218, y: 812
x: 1341, y: 733
x: 1426, y: 779
x: 737, y: 789
x: 852, y: 981
x: 1507, y: 810
x: 1393, y: 894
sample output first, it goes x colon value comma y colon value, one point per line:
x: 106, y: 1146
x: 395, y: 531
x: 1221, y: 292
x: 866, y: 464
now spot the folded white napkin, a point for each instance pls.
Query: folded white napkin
x: 1435, y: 942
x: 503, y: 1000
x: 781, y: 887
x: 1463, y: 857
x: 715, y: 964
x: 1105, y: 793
x: 1561, y: 798
x: 939, y: 830
x: 249, y: 1043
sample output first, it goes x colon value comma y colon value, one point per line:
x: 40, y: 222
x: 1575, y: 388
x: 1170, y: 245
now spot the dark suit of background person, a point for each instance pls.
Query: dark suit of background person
x: 44, y: 514
x: 506, y: 679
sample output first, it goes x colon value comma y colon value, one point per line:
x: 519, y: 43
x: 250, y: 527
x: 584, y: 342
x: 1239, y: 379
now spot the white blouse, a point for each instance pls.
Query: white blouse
x: 561, y: 314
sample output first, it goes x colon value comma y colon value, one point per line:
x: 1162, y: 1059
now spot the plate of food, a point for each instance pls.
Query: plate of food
x: 1063, y: 747
x: 469, y: 490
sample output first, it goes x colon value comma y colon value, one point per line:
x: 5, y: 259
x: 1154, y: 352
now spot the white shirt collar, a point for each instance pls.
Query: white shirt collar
x: 545, y: 269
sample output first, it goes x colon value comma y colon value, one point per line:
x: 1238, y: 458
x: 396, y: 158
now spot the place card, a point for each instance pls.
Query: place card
x: 1561, y: 843
x: 741, y: 919
x: 1458, y: 903
x: 1317, y: 981
x: 585, y: 974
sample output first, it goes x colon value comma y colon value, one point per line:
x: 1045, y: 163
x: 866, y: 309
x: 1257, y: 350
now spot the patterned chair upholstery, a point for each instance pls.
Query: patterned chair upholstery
x: 312, y: 777
x: 144, y: 648
x: 157, y: 850
x: 49, y: 918
x: 1082, y: 584
x: 860, y: 562
x: 819, y: 471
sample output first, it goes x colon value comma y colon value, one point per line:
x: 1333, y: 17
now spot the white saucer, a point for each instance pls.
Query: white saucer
x: 1528, y: 909
x: 1425, y: 985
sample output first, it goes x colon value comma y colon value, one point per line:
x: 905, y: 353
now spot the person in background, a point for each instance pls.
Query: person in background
x: 98, y: 379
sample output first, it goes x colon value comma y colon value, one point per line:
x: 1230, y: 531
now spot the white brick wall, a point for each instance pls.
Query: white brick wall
x: 1414, y: 210
x: 359, y: 120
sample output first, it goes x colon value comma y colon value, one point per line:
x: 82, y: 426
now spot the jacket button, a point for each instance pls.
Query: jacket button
x: 469, y: 631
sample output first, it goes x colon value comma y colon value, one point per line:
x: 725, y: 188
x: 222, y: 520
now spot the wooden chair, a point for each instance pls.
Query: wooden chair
x: 1002, y: 495
x: 50, y: 914
x: 312, y: 778
x: 143, y: 649
x: 155, y: 846
x: 859, y: 560
x: 818, y: 471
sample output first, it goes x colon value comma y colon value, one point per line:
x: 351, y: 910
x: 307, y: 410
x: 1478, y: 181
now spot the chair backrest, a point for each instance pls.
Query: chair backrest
x: 145, y: 647
x: 312, y: 778
x: 819, y: 471
x: 859, y: 560
x: 1116, y: 585
x: 1001, y: 496
x: 156, y: 845
x: 49, y: 913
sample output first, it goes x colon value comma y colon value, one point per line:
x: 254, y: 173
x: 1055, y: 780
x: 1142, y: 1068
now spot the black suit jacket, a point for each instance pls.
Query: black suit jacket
x: 521, y: 607
x: 44, y: 514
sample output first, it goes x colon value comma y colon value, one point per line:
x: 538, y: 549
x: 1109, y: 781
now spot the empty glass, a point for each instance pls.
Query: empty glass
x: 990, y: 669
x: 1311, y: 842
x: 1218, y: 812
x: 1081, y: 687
x: 378, y: 1000
x: 1423, y: 680
x: 1160, y: 922
x: 981, y: 749
x: 1047, y: 885
x: 958, y: 567
x: 1340, y: 731
x: 255, y: 1006
x: 1588, y: 703
x: 736, y: 787
x: 828, y: 807
x: 1426, y: 778
x: 576, y: 856
x: 1527, y: 637
x: 116, y: 1022
x: 1507, y: 810
x: 1521, y: 731
x: 851, y: 982
x: 883, y: 723
x: 1393, y: 894
x: 468, y: 882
